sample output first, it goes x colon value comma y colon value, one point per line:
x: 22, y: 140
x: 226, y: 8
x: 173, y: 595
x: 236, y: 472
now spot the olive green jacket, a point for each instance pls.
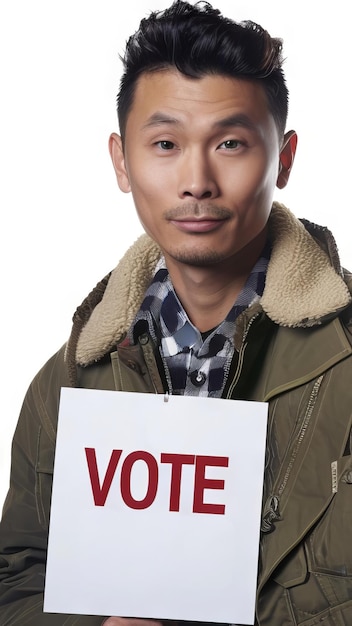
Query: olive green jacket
x: 293, y: 350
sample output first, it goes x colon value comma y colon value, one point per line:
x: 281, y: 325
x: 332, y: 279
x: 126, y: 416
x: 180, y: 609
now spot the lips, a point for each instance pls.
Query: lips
x: 203, y: 225
x: 197, y: 218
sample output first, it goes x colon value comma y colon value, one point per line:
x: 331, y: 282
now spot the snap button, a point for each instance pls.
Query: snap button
x: 143, y: 339
x: 198, y: 378
x: 347, y: 477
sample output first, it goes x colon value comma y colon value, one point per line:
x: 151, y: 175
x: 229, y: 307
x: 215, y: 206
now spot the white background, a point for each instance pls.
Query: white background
x: 64, y: 223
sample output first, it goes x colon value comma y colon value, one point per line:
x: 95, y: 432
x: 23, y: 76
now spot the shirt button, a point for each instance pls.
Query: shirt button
x: 198, y: 378
x: 143, y: 339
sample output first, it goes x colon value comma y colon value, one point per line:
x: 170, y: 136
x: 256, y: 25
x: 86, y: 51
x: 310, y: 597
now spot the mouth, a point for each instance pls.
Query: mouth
x: 197, y: 218
x: 194, y: 225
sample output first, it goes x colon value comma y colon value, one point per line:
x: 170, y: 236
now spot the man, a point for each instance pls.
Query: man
x: 228, y: 295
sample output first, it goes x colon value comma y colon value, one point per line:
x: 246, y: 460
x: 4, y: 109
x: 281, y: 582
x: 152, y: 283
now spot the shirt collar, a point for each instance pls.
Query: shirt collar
x: 167, y: 321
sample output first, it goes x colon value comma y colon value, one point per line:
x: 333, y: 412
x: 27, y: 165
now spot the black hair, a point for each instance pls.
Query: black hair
x: 197, y: 40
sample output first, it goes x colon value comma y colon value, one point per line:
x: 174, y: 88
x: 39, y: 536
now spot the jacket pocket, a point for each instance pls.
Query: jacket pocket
x: 302, y: 590
x: 43, y: 477
x: 312, y: 598
x: 316, y: 577
x: 329, y: 546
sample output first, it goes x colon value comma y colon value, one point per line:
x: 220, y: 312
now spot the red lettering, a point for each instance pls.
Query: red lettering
x: 177, y: 461
x: 201, y: 483
x: 126, y: 469
x: 101, y: 493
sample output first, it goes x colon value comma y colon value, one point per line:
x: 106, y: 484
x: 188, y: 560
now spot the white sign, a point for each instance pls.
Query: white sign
x: 156, y: 506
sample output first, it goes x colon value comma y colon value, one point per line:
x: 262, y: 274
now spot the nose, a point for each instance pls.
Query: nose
x: 197, y: 178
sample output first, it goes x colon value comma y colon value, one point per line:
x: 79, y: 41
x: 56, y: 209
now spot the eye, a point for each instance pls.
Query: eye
x: 231, y: 144
x: 165, y: 145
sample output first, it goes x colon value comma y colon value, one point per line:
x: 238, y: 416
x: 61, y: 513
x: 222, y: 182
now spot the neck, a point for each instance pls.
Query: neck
x: 208, y: 293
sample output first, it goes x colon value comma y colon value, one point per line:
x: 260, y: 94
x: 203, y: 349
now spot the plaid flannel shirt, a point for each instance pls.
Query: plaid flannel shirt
x: 194, y: 365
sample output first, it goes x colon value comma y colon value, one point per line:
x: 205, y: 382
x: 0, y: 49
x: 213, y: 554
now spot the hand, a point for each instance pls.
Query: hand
x: 129, y: 621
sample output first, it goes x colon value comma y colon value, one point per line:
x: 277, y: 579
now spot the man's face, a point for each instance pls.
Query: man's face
x: 201, y: 158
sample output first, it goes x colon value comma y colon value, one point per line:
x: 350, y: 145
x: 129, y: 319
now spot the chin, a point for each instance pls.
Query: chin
x: 198, y: 258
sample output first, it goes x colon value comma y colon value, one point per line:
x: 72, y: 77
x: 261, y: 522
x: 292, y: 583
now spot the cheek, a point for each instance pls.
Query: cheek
x: 142, y: 188
x: 148, y: 201
x: 146, y: 180
x: 255, y: 180
x: 153, y: 191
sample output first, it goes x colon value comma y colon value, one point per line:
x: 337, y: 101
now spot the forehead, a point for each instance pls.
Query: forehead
x: 170, y: 94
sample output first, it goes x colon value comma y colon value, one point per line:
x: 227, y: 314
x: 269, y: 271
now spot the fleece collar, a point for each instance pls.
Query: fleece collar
x: 302, y: 287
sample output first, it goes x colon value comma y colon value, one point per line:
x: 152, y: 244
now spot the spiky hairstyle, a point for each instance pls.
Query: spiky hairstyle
x: 197, y: 40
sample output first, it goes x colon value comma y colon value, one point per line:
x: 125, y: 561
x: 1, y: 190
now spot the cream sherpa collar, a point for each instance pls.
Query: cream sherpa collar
x: 301, y: 286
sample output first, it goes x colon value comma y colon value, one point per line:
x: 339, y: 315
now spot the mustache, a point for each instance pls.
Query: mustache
x: 197, y: 210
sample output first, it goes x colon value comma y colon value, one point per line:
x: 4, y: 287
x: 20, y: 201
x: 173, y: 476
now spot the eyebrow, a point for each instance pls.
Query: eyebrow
x: 158, y: 119
x: 239, y: 119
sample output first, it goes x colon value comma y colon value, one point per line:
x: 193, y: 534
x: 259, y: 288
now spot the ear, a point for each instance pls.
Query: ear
x: 287, y: 155
x: 118, y: 161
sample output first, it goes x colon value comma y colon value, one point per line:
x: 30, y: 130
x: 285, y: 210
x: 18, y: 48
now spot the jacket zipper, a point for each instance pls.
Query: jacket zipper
x: 167, y: 374
x: 271, y: 511
x: 241, y: 356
